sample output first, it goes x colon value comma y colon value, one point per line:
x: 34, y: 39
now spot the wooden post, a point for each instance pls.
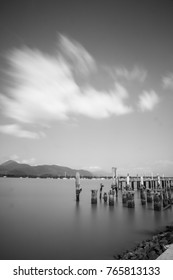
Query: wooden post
x: 124, y: 197
x: 105, y: 197
x: 114, y: 185
x: 128, y: 182
x: 145, y: 184
x: 94, y: 196
x: 138, y: 183
x: 130, y: 200
x: 158, y: 182
x: 111, y: 198
x: 169, y: 196
x: 157, y: 202
x: 163, y: 182
x: 165, y: 198
x: 142, y: 182
x: 149, y: 184
x: 149, y: 196
x: 78, y: 188
x: 152, y: 183
x: 101, y: 188
x: 143, y: 197
x: 114, y: 175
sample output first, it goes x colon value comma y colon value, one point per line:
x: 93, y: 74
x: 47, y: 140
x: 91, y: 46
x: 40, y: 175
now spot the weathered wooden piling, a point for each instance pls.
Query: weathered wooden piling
x: 114, y: 175
x: 111, y: 198
x: 141, y: 182
x: 114, y: 185
x: 145, y: 184
x: 143, y: 197
x: 133, y: 185
x: 128, y: 182
x: 152, y: 184
x: 158, y: 182
x: 105, y: 197
x: 157, y: 202
x: 130, y: 200
x: 138, y: 184
x: 78, y: 187
x: 149, y: 184
x: 165, y: 199
x: 101, y: 188
x: 94, y: 196
x: 149, y: 196
x: 169, y: 196
x: 124, y: 197
x: 163, y: 182
x: 120, y: 185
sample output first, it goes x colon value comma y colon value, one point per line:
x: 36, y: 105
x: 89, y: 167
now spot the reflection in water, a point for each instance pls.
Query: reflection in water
x: 40, y: 219
x: 93, y: 207
x: 157, y: 216
x: 93, y: 215
x: 77, y: 206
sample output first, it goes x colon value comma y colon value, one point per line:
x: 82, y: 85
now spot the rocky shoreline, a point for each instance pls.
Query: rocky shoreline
x: 149, y: 249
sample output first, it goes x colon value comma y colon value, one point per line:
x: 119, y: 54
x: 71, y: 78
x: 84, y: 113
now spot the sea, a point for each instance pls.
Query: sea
x: 41, y: 220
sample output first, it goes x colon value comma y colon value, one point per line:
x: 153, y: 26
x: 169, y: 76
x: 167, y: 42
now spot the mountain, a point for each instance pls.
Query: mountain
x: 9, y: 163
x: 15, y: 169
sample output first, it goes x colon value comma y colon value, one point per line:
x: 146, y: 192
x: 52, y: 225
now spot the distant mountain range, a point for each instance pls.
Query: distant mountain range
x: 12, y: 168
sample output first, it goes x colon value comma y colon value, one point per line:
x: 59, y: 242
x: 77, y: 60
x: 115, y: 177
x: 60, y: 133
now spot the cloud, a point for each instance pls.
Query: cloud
x: 93, y: 168
x: 167, y: 81
x: 16, y: 130
x: 136, y: 73
x: 14, y: 157
x: 77, y: 57
x: 45, y: 88
x: 97, y: 104
x: 148, y: 100
x: 31, y: 161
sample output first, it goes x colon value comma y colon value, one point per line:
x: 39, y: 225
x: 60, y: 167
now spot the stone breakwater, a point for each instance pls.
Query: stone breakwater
x: 149, y: 249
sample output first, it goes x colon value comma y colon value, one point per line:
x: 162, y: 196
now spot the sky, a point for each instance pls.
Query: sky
x: 87, y: 84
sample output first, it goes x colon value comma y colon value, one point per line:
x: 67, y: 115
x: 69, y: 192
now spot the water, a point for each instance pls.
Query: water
x: 40, y: 219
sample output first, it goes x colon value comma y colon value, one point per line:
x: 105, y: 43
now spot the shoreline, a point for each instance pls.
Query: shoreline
x: 151, y: 248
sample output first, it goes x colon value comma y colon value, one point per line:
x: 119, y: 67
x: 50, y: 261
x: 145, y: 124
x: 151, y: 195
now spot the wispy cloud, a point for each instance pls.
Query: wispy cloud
x: 136, y: 74
x: 148, y: 101
x: 45, y: 88
x: 15, y: 157
x: 79, y: 60
x: 167, y: 81
x: 31, y: 161
x: 93, y: 168
x: 17, y: 131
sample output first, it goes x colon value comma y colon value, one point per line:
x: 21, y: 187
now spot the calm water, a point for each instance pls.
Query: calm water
x: 39, y: 219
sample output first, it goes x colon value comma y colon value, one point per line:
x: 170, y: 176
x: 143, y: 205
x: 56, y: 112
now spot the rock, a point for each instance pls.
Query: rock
x: 169, y: 228
x: 158, y: 250
x: 170, y: 238
x: 152, y: 255
x: 163, y: 241
x: 151, y: 248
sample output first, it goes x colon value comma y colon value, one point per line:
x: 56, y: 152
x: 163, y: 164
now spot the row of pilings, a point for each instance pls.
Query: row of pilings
x: 153, y: 191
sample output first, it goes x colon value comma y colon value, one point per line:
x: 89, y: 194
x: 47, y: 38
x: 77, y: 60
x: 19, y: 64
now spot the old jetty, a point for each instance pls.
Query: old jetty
x: 155, y: 191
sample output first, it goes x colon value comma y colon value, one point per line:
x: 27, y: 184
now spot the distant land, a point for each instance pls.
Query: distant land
x: 12, y: 168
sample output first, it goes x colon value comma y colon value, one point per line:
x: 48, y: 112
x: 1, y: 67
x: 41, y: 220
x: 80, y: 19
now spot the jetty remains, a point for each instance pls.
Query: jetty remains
x: 154, y: 191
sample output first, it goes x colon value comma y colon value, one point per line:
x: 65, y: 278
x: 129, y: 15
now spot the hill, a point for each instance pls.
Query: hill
x: 12, y: 168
